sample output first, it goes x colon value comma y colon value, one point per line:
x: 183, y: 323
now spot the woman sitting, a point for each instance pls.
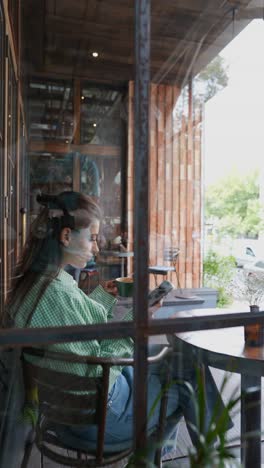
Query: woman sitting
x: 45, y: 295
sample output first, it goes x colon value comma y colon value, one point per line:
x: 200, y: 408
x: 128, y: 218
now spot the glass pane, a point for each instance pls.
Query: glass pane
x: 71, y: 204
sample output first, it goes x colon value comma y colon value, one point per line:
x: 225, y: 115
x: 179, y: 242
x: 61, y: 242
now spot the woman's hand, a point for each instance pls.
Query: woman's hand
x: 110, y: 287
x: 154, y: 308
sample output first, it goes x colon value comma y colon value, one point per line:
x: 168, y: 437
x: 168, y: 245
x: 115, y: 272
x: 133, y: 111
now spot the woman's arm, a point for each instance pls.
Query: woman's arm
x: 105, y: 298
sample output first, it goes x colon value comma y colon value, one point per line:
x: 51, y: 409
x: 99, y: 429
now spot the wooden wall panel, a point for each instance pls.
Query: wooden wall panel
x: 183, y: 199
x: 160, y: 186
x: 189, y: 194
x: 130, y: 175
x: 197, y: 205
x: 168, y: 167
x: 153, y: 175
x: 175, y: 181
x: 175, y: 213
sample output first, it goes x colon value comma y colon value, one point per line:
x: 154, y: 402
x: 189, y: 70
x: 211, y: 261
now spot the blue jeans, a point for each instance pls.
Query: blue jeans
x: 120, y: 412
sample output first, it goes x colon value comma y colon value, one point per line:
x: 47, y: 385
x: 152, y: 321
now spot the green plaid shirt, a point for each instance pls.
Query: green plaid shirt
x: 64, y: 304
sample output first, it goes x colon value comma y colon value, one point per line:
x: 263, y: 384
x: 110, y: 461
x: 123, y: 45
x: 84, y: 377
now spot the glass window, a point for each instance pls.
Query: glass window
x: 110, y: 142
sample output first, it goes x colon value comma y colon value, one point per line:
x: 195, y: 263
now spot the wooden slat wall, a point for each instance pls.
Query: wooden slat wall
x: 197, y: 205
x: 158, y: 185
x: 175, y: 181
x: 130, y: 172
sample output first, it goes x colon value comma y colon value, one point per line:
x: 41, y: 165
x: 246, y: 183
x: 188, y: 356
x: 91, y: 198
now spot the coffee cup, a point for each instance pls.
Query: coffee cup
x: 125, y: 286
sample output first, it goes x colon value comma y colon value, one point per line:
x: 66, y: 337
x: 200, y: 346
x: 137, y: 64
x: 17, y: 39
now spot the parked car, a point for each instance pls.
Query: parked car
x: 244, y: 256
x: 255, y: 266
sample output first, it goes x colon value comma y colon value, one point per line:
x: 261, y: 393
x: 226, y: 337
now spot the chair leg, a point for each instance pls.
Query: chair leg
x: 41, y: 460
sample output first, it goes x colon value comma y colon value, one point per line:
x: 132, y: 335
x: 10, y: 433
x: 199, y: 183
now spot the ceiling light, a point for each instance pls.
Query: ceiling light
x: 66, y: 141
x: 95, y: 54
x: 94, y: 124
x: 82, y: 98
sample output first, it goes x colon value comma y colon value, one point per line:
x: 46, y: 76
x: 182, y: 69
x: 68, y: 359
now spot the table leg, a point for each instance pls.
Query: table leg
x: 250, y: 421
x: 122, y: 267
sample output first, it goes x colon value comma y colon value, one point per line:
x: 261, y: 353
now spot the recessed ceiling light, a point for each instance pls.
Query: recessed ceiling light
x: 66, y: 141
x: 82, y: 98
x: 95, y: 54
x: 94, y: 124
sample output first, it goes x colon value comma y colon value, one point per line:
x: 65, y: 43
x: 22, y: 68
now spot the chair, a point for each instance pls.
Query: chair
x: 58, y: 404
x: 170, y: 255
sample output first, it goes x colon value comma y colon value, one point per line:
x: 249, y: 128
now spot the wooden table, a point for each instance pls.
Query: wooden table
x: 225, y: 349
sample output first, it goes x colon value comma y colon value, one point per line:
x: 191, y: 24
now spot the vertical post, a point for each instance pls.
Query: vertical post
x: 141, y: 148
x: 5, y: 146
x: 251, y: 421
x: 18, y: 143
x: 77, y: 133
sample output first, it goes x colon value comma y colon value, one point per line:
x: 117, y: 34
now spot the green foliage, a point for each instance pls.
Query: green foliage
x: 211, y: 79
x: 233, y: 205
x: 211, y: 449
x: 218, y: 272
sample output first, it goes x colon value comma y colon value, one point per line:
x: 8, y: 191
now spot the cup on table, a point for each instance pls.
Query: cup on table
x: 125, y: 286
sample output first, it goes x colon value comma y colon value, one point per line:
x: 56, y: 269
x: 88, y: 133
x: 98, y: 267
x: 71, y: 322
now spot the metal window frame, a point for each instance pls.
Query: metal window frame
x: 141, y: 328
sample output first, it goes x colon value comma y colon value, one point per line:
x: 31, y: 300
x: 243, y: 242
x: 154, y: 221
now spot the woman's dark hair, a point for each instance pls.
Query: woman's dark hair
x: 42, y: 254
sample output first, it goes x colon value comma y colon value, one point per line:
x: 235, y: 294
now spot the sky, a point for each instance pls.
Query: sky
x: 234, y: 118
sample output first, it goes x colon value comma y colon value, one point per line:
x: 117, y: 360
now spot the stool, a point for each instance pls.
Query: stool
x: 85, y: 279
x: 171, y: 256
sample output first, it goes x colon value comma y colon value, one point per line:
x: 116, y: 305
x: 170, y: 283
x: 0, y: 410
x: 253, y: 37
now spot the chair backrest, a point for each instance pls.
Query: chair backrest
x: 171, y: 254
x: 70, y: 400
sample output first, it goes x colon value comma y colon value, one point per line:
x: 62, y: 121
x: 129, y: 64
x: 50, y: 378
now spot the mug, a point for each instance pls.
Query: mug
x: 125, y: 286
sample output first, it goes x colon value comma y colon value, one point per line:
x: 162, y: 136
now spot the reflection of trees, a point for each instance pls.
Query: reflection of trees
x: 212, y: 79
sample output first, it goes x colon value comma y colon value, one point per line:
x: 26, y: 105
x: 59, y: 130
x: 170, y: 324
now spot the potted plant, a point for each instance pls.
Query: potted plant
x: 249, y: 286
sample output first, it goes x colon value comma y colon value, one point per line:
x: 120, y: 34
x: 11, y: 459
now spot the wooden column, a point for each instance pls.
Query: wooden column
x: 77, y: 133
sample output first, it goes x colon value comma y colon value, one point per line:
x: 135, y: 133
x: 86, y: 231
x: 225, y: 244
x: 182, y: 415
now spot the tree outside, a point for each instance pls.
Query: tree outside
x: 233, y: 206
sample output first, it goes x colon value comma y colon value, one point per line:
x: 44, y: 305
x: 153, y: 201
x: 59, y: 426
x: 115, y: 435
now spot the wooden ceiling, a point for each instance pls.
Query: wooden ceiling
x: 60, y: 36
